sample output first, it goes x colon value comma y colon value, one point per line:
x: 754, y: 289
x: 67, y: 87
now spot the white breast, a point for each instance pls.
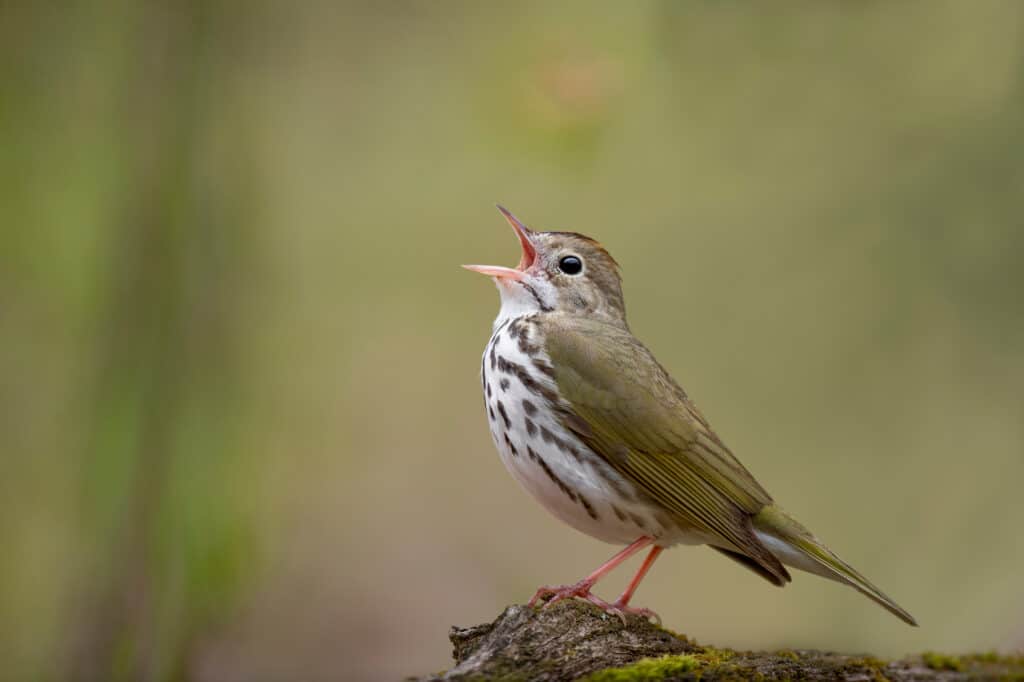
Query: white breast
x: 548, y: 460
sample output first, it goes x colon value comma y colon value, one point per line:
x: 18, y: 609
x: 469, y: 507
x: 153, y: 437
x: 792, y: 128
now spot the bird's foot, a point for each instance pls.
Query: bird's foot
x: 581, y: 590
x: 553, y: 595
x: 623, y: 609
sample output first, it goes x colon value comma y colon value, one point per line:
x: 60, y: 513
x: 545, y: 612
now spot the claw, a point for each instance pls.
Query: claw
x: 610, y: 609
x: 635, y: 611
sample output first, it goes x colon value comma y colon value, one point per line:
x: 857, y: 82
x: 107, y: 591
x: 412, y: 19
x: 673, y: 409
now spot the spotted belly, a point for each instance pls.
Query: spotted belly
x: 548, y: 460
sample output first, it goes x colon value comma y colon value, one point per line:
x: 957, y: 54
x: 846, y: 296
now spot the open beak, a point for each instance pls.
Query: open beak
x: 525, y: 261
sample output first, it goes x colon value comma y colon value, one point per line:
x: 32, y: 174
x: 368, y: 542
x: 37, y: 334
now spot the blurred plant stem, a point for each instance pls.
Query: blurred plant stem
x: 159, y: 434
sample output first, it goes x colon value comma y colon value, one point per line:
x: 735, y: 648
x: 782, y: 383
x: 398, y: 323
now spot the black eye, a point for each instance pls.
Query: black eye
x: 570, y: 265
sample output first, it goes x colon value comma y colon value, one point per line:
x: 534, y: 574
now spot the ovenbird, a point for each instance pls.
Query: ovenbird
x: 588, y: 421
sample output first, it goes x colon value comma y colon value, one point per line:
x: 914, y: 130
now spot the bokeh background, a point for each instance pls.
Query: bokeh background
x: 240, y: 415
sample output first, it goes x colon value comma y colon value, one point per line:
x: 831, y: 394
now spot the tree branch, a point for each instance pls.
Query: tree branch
x: 574, y: 640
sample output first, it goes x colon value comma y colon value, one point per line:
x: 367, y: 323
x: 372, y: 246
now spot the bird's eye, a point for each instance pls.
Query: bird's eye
x: 570, y: 265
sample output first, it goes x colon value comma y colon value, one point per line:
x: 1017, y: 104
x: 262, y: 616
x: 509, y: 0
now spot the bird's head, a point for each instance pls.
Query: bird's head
x: 558, y: 272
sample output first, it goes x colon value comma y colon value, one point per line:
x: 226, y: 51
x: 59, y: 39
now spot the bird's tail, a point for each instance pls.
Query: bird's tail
x: 796, y: 546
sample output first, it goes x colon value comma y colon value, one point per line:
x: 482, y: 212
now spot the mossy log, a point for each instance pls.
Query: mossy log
x: 575, y: 640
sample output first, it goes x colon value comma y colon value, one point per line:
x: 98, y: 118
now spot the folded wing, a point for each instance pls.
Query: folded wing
x: 628, y: 410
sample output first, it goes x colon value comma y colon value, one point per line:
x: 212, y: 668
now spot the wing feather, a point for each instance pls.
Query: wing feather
x: 628, y: 409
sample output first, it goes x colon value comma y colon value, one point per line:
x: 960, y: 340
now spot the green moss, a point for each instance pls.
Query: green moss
x: 942, y: 661
x: 875, y: 665
x: 678, y: 635
x: 647, y: 670
x: 709, y: 655
x: 987, y: 665
x: 786, y: 664
x: 985, y: 657
x: 993, y: 657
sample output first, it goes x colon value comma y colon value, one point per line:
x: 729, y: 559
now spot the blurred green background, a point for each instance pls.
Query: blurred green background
x: 242, y: 430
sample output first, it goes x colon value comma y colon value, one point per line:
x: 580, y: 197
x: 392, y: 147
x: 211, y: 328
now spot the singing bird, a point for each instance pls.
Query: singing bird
x: 591, y: 424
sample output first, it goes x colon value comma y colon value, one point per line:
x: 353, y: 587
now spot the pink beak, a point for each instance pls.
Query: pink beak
x: 525, y: 261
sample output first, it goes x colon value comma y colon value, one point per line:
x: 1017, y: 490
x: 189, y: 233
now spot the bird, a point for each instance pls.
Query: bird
x: 588, y: 421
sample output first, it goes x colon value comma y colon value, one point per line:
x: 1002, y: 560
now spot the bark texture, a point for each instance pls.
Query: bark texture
x: 576, y: 640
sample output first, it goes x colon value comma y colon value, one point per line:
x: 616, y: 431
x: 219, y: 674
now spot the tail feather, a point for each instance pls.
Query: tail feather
x: 796, y: 546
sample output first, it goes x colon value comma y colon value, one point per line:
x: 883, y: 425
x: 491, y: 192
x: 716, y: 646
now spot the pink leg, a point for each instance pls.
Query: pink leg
x: 622, y: 603
x: 623, y: 600
x: 582, y: 588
